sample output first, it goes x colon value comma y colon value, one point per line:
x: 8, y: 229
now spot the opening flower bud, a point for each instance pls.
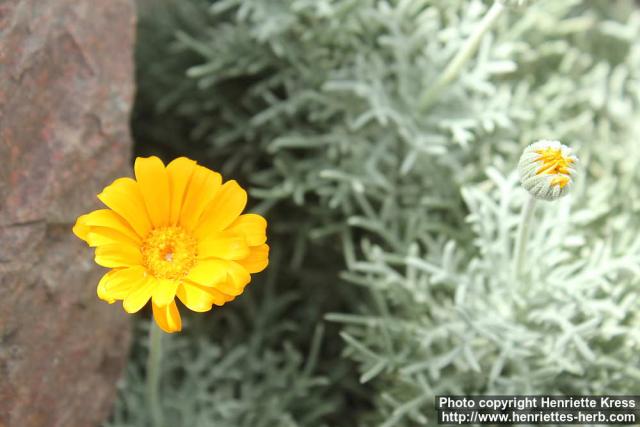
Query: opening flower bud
x: 547, y: 169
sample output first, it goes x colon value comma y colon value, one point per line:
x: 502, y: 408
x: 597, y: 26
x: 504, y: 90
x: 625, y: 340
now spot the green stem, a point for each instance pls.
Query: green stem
x: 153, y: 374
x: 454, y: 67
x: 523, y: 236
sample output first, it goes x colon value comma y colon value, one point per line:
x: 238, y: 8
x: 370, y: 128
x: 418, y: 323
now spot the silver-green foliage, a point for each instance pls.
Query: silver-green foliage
x: 330, y: 106
x: 237, y: 366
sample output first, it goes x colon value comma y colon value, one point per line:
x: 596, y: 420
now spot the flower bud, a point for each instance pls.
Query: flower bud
x: 547, y: 169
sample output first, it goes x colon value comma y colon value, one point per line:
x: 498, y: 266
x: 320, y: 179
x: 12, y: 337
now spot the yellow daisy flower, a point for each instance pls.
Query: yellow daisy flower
x: 174, y: 231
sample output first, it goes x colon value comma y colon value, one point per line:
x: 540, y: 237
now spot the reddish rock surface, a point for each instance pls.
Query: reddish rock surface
x: 66, y: 86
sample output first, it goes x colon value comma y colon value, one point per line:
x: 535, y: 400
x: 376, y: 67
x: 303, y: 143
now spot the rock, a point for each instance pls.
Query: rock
x: 66, y: 87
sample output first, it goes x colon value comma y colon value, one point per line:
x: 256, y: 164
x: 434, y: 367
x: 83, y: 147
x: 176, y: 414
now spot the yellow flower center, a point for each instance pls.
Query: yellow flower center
x: 554, y: 163
x: 169, y: 252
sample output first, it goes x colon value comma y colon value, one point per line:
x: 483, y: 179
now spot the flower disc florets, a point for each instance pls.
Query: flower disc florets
x: 169, y: 252
x: 547, y: 169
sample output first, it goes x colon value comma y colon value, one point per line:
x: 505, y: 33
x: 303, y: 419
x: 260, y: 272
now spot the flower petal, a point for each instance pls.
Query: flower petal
x: 125, y: 198
x: 215, y: 274
x: 201, y: 190
x: 220, y: 298
x: 109, y: 219
x: 98, y: 236
x: 139, y: 297
x: 227, y: 205
x: 253, y: 227
x: 101, y: 291
x: 257, y: 260
x: 118, y: 255
x: 117, y: 284
x: 208, y: 272
x: 228, y: 288
x: 224, y: 246
x: 238, y: 275
x: 81, y: 229
x: 154, y: 185
x: 164, y: 292
x: 168, y: 317
x: 195, y: 297
x: 179, y: 171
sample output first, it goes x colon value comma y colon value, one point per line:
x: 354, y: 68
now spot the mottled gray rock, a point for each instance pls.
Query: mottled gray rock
x: 66, y: 85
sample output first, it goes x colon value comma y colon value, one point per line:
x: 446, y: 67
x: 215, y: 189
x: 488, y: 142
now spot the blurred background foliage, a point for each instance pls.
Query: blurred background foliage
x: 393, y: 206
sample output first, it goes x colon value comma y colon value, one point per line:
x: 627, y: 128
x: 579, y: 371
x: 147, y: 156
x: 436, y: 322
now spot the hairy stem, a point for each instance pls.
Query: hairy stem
x: 153, y: 374
x: 453, y: 69
x: 523, y: 236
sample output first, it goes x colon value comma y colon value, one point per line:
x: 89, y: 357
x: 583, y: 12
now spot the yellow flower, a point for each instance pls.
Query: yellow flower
x: 174, y: 231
